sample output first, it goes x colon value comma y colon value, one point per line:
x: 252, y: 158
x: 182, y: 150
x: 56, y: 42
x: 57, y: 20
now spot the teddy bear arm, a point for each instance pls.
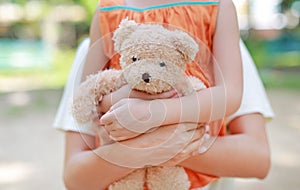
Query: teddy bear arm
x: 83, y: 105
x: 196, y: 83
x: 91, y: 91
x: 190, y: 85
x: 108, y: 81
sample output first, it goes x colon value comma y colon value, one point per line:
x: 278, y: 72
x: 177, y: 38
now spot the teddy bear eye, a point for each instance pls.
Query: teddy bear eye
x: 134, y: 58
x: 162, y: 64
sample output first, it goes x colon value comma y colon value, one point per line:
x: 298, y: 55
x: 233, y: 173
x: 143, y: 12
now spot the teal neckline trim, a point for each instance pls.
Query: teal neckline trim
x: 121, y: 7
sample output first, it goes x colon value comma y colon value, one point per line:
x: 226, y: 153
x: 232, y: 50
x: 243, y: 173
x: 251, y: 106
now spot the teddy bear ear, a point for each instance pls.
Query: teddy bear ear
x: 185, y: 44
x: 125, y: 28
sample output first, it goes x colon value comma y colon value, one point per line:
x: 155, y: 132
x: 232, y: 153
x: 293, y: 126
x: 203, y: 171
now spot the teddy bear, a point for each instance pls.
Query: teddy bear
x: 153, y: 59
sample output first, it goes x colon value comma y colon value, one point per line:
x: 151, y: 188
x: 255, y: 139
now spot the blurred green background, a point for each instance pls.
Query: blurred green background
x: 38, y: 40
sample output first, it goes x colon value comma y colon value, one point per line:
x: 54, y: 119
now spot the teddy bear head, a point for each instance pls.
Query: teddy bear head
x: 153, y: 58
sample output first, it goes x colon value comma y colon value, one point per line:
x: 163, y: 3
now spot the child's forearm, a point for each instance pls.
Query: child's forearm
x: 84, y: 169
x: 203, y: 106
x: 244, y: 154
x: 87, y: 170
x: 242, y: 162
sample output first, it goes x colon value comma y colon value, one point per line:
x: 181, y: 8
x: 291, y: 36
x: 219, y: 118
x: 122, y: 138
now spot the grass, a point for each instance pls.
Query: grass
x: 280, y: 79
x: 277, y: 69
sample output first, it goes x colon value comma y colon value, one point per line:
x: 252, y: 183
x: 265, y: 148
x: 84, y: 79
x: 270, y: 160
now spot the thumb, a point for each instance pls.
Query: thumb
x: 118, y: 104
x: 106, y: 118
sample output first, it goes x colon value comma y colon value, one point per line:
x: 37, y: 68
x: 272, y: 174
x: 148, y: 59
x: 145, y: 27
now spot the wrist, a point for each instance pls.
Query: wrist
x: 159, y: 112
x: 167, y: 110
x: 184, y: 109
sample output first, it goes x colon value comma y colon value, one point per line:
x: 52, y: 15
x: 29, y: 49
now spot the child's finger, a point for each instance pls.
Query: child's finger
x: 177, y: 95
x: 119, y: 104
x: 195, y: 135
x: 107, y: 118
x: 189, y: 151
x: 167, y: 94
x: 164, y: 95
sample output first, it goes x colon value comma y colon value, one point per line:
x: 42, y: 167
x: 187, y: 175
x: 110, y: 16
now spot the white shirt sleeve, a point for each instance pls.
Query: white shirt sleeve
x: 64, y: 119
x: 254, y: 98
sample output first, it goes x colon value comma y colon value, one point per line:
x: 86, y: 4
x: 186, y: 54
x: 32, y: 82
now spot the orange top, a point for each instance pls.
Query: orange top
x: 198, y: 18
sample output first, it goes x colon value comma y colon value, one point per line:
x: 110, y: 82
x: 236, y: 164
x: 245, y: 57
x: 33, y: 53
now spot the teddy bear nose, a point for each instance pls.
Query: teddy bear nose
x: 146, y: 77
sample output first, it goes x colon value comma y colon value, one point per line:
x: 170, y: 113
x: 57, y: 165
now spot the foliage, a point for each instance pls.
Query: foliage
x: 274, y: 67
x: 282, y: 52
x: 286, y: 4
x: 278, y: 69
x: 89, y: 5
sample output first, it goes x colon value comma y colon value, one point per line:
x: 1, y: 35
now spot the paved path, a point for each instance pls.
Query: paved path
x: 31, y: 152
x: 284, y: 135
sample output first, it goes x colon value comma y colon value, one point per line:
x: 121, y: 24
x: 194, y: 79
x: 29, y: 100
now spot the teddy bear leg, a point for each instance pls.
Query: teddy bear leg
x: 167, y: 178
x: 133, y: 181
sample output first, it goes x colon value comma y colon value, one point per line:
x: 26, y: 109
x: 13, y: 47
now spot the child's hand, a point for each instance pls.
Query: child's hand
x: 145, y: 96
x: 159, y: 147
x: 127, y: 119
x: 135, y: 115
x: 117, y: 132
x: 191, y: 149
x: 126, y: 92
